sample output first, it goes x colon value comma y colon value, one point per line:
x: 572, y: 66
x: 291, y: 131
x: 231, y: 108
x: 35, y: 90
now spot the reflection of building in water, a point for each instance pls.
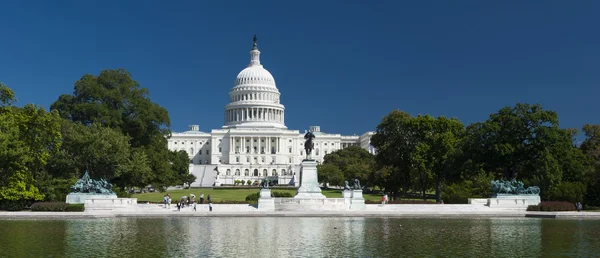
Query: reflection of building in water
x: 255, y: 143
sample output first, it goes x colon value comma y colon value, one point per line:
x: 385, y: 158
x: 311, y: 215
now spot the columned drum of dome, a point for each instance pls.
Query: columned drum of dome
x: 254, y: 99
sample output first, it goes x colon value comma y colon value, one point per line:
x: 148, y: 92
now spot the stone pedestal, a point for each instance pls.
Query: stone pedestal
x: 347, y: 194
x: 357, y: 202
x: 265, y: 201
x: 81, y: 197
x: 111, y: 204
x: 514, y: 201
x: 309, y: 186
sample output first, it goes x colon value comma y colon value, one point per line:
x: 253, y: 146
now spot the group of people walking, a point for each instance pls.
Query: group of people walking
x: 187, y: 201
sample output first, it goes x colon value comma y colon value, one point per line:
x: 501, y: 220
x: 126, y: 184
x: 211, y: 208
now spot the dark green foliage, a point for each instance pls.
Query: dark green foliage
x: 457, y: 193
x: 347, y: 164
x: 552, y: 206
x: 281, y: 194
x: 568, y: 191
x: 122, y: 193
x: 12, y: 205
x: 114, y: 101
x: 253, y: 197
x: 75, y: 207
x: 49, y: 206
x: 56, y: 206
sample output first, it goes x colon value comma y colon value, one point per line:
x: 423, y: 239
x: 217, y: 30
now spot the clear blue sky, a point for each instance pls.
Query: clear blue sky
x: 339, y: 64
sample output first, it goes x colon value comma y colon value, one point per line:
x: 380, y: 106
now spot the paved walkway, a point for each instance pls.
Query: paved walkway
x: 401, y: 211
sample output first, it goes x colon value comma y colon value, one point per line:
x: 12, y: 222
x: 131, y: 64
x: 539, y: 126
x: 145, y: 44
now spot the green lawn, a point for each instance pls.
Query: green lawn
x: 218, y: 195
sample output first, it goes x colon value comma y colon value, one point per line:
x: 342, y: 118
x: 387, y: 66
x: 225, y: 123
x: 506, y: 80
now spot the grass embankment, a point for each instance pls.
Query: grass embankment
x: 219, y: 195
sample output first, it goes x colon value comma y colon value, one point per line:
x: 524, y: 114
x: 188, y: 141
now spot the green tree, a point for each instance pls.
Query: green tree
x: 135, y: 171
x: 394, y: 143
x: 525, y: 142
x: 330, y: 174
x: 353, y: 162
x: 24, y: 149
x: 113, y: 99
x: 591, y: 149
x: 102, y: 151
x: 188, y: 179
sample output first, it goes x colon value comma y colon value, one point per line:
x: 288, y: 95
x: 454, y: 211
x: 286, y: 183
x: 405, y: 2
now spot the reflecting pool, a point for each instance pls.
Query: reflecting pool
x: 299, y: 237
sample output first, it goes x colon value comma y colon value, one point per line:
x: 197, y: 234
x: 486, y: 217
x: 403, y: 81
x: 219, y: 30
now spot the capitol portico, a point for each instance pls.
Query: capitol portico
x: 254, y: 143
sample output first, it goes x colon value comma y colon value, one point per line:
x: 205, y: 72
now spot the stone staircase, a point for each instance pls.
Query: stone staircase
x: 205, y: 175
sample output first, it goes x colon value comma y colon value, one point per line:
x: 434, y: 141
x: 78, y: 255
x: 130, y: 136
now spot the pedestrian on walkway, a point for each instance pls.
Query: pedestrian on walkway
x: 209, y: 206
x: 201, y: 198
x: 208, y: 198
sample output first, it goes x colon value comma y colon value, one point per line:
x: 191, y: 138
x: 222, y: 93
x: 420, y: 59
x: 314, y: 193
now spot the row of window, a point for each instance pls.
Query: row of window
x: 183, y: 143
x: 256, y: 173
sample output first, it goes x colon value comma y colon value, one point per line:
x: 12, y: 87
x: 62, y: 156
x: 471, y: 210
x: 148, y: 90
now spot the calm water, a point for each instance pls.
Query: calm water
x: 299, y: 237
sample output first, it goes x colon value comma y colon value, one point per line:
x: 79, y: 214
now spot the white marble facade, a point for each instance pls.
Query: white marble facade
x: 254, y: 143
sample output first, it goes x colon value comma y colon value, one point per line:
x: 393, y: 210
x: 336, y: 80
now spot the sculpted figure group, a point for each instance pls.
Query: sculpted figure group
x: 355, y: 186
x: 87, y: 185
x: 512, y: 187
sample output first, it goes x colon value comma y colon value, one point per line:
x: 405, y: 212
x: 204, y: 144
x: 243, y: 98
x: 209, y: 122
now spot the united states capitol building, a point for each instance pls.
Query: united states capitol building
x: 254, y: 143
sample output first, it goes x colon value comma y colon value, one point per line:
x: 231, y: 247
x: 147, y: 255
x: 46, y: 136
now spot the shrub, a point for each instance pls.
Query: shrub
x: 242, y: 182
x: 236, y: 182
x: 281, y: 194
x: 552, y: 206
x: 49, y: 206
x: 253, y: 197
x: 458, y: 193
x: 249, y: 182
x: 122, y: 193
x: 590, y: 208
x: 9, y: 205
x: 568, y: 191
x: 75, y: 207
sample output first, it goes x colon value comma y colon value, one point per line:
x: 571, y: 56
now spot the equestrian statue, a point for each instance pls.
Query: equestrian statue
x: 309, y: 145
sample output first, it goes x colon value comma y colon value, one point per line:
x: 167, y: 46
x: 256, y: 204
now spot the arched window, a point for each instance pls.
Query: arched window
x: 237, y: 172
x: 255, y: 172
x: 264, y: 172
x: 283, y: 172
x: 274, y: 172
x: 228, y: 172
x: 191, y: 151
x: 246, y: 172
x: 317, y: 152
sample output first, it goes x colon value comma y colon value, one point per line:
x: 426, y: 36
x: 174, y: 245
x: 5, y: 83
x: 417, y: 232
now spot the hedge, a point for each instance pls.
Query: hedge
x: 17, y: 205
x: 281, y: 194
x: 56, y: 206
x: 552, y: 206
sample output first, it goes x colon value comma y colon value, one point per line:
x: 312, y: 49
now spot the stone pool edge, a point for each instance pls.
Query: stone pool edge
x: 5, y: 215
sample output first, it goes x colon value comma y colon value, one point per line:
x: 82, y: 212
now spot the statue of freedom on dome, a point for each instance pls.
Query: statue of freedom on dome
x: 254, y: 46
x: 309, y: 145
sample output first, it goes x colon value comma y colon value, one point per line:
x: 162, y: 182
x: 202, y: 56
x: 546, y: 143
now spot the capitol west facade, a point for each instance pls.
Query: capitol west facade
x: 254, y: 143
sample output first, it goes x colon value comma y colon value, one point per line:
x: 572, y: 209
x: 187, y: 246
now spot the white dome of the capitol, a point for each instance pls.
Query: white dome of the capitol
x: 255, y: 75
x: 254, y: 99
